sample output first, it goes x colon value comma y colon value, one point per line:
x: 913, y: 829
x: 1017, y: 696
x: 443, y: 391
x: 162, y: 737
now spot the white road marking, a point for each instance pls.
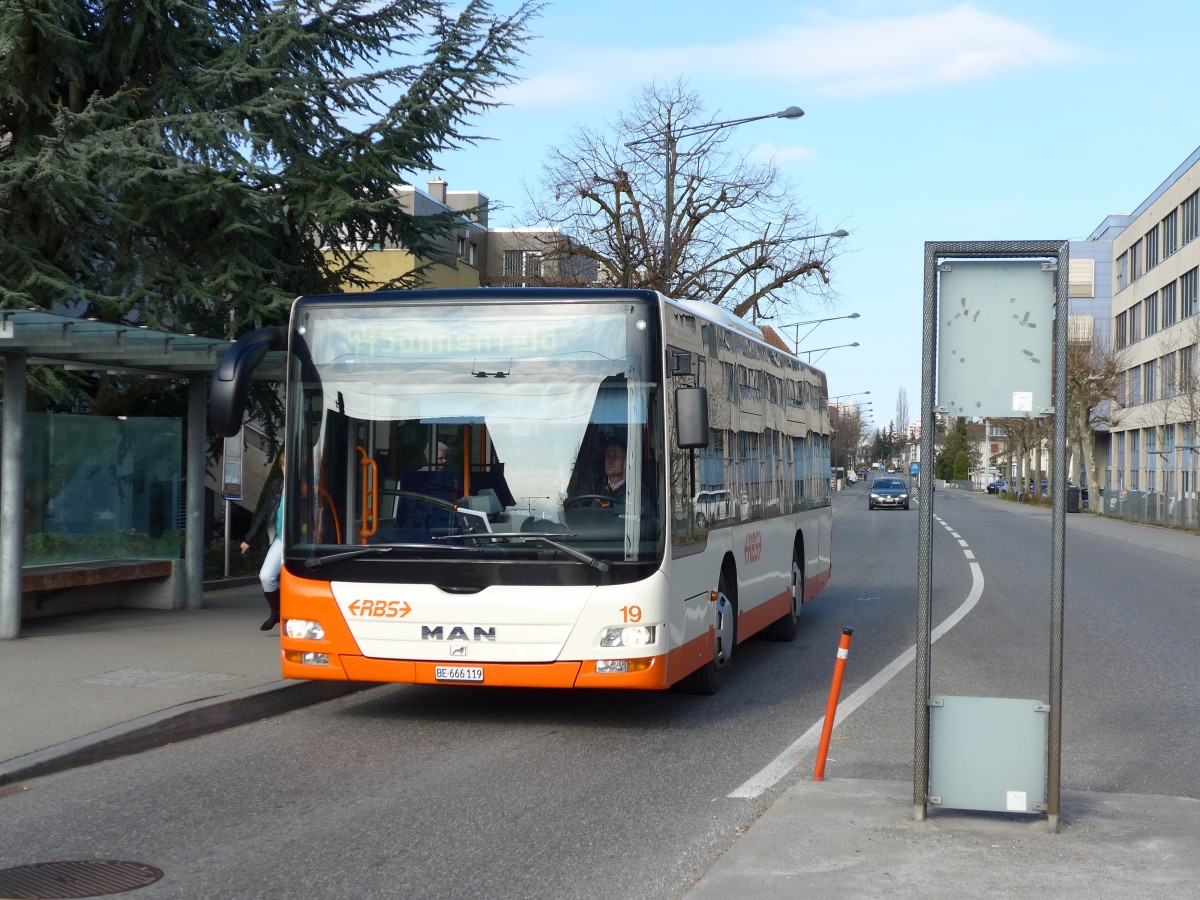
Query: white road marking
x: 793, y: 755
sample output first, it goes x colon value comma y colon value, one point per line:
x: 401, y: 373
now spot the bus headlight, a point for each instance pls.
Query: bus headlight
x: 305, y: 629
x: 305, y: 658
x: 621, y: 666
x: 628, y: 636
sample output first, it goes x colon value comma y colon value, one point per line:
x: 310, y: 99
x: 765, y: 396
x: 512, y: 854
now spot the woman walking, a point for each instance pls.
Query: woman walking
x: 270, y: 513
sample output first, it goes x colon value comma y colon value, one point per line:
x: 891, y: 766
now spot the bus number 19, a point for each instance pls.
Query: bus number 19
x: 632, y: 613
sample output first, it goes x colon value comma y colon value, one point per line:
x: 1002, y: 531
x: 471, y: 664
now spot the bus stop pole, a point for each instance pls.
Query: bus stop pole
x: 925, y: 541
x: 1058, y: 541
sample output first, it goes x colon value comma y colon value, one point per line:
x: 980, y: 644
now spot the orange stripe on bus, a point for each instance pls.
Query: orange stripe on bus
x: 304, y: 599
x: 752, y: 621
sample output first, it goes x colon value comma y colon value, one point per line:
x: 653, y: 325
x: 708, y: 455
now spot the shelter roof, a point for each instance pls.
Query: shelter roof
x: 90, y: 345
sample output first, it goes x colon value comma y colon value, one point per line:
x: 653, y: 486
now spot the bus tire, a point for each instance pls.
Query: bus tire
x: 710, y: 676
x: 786, y: 626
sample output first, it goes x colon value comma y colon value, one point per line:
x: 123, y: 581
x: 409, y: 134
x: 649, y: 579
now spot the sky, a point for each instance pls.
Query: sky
x: 924, y: 121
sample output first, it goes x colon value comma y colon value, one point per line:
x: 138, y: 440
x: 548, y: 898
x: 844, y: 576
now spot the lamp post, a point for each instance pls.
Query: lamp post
x: 851, y: 394
x: 824, y: 350
x: 669, y: 139
x: 815, y: 323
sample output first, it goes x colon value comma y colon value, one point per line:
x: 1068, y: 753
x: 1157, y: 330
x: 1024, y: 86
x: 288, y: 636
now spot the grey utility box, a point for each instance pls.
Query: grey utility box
x: 987, y: 753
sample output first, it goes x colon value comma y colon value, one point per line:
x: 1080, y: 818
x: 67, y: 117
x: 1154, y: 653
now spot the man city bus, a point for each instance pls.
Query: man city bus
x: 498, y: 486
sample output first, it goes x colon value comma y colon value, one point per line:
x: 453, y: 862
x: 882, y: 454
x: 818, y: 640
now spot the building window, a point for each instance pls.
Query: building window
x: 1170, y: 233
x: 1135, y: 262
x: 1187, y: 369
x: 1135, y: 458
x: 1187, y: 294
x: 1122, y: 330
x: 1135, y: 323
x: 1169, y: 458
x: 1170, y: 382
x: 1188, y: 460
x: 1123, y: 271
x: 1151, y: 242
x: 1151, y: 457
x: 533, y: 264
x: 1121, y: 390
x: 1170, y: 305
x: 1150, y: 381
x: 1135, y: 385
x: 1191, y: 217
x: 1150, y: 305
x: 520, y: 265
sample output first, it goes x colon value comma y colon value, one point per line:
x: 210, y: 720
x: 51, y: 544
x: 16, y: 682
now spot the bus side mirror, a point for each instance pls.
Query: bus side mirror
x: 691, y: 417
x: 227, y: 396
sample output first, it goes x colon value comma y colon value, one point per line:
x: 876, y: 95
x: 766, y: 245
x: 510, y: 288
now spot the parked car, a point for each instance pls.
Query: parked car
x: 888, y: 492
x: 999, y: 486
x: 713, y: 506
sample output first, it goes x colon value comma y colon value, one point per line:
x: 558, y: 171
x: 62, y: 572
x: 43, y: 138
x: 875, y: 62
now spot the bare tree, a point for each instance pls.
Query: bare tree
x: 902, y: 411
x: 1093, y: 370
x: 1021, y: 435
x: 849, y: 434
x: 678, y: 213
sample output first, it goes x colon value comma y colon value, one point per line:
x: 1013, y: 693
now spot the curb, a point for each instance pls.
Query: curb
x: 220, y: 584
x: 177, y: 723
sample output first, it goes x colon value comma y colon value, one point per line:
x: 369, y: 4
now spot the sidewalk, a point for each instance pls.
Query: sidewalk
x: 94, y: 686
x: 858, y: 839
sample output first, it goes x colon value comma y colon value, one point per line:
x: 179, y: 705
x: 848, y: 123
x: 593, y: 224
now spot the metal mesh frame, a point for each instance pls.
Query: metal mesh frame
x: 935, y: 251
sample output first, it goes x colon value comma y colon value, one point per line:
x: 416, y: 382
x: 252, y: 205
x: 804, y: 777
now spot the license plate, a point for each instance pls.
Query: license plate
x: 458, y: 673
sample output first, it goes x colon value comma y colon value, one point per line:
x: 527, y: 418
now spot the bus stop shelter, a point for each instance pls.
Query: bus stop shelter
x: 38, y: 337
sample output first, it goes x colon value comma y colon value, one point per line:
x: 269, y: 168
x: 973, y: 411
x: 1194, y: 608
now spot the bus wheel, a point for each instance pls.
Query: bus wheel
x: 709, y: 677
x: 785, y: 627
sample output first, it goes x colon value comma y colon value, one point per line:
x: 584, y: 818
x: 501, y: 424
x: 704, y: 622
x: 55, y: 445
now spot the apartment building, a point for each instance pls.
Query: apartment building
x: 1155, y: 331
x: 476, y: 255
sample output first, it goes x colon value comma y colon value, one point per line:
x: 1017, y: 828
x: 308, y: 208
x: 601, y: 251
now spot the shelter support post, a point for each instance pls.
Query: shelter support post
x: 12, y: 495
x: 193, y: 535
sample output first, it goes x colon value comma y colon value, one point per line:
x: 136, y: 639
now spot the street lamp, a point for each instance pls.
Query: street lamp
x: 824, y: 350
x: 816, y: 323
x: 669, y: 139
x: 851, y: 394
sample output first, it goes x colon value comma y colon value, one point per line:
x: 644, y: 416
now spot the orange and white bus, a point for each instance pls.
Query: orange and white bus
x: 449, y: 509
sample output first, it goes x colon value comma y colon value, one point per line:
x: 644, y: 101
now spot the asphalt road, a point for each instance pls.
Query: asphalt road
x: 406, y: 791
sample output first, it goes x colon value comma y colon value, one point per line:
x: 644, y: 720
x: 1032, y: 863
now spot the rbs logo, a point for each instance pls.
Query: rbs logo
x: 380, y: 609
x: 753, y: 549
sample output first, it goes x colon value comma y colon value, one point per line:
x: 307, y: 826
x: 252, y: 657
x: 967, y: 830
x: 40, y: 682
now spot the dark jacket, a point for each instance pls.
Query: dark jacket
x: 265, y: 514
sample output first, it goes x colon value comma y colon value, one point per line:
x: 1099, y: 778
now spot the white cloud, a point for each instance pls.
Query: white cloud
x: 902, y: 54
x: 768, y: 152
x: 856, y: 58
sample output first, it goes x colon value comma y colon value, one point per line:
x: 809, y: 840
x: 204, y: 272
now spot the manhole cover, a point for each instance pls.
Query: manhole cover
x: 80, y: 878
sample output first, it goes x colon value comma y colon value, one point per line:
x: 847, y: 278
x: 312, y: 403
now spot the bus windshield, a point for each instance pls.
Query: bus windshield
x: 524, y: 431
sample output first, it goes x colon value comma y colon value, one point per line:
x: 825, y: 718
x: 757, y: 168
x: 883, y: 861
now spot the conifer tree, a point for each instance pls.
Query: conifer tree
x: 194, y: 165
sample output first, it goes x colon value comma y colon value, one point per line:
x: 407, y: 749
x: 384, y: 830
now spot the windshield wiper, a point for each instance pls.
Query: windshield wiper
x: 315, y: 562
x: 600, y: 565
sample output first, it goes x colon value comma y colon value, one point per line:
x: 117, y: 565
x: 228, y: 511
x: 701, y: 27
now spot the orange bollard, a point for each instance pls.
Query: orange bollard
x: 835, y: 691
